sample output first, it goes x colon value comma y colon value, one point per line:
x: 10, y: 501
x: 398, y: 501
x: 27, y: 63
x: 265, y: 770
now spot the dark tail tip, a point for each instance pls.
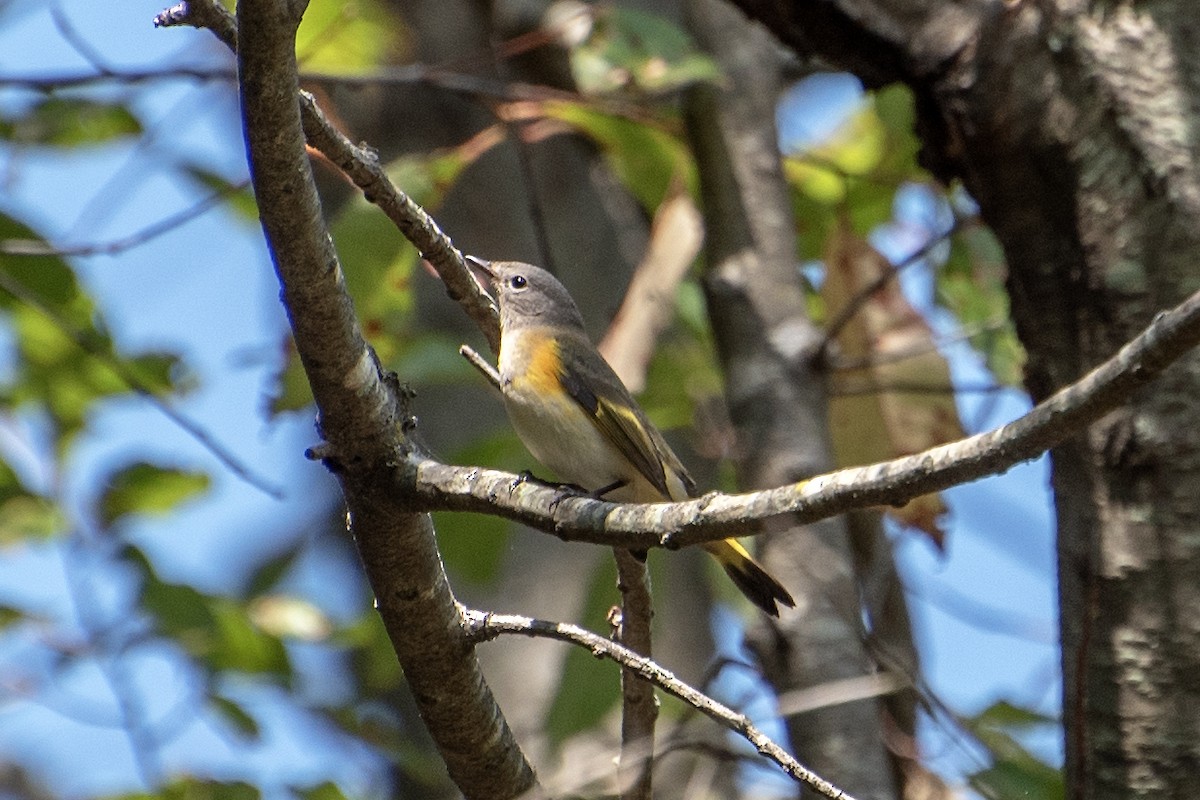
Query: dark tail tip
x: 758, y: 586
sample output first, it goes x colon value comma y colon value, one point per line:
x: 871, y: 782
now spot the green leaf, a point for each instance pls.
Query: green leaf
x: 189, y: 788
x: 971, y: 285
x: 239, y: 198
x: 71, y: 122
x: 1018, y: 781
x: 291, y: 390
x: 1015, y: 772
x: 322, y: 791
x: 65, y: 357
x: 244, y: 647
x: 10, y: 615
x: 236, y: 716
x: 144, y: 488
x: 628, y: 48
x: 1005, y: 715
x: 268, y: 575
x: 217, y: 631
x: 346, y: 36
x: 23, y: 514
x: 372, y: 657
x: 646, y: 159
x: 589, y: 688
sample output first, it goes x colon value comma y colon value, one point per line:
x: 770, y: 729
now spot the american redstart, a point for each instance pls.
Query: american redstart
x: 577, y: 418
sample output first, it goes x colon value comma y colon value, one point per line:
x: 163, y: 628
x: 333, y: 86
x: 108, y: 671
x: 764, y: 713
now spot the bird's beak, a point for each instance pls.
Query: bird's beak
x: 481, y: 266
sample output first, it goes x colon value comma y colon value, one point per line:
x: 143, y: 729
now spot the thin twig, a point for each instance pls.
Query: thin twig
x: 480, y: 363
x: 715, y: 516
x: 868, y: 387
x: 168, y: 224
x: 77, y: 41
x: 846, y: 690
x: 966, y: 333
x: 847, y: 312
x: 484, y: 626
x: 115, y: 670
x: 139, y: 387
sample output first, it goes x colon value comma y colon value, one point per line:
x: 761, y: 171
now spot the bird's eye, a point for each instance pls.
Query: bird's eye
x: 517, y: 282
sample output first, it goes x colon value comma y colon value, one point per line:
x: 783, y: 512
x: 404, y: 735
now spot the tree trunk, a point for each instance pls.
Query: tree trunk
x: 776, y: 400
x: 1074, y: 125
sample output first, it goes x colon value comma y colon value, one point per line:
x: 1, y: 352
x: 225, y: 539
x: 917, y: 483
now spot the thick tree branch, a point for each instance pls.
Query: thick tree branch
x: 362, y: 417
x: 715, y: 516
x: 485, y: 626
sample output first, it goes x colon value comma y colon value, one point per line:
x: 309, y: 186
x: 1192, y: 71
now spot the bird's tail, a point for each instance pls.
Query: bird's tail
x: 753, y: 581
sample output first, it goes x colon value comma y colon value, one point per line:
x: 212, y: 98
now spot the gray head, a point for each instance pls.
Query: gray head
x: 528, y: 295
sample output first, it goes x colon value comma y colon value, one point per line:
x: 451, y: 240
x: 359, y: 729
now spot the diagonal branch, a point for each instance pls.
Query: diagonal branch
x: 363, y: 418
x: 484, y: 626
x: 715, y: 516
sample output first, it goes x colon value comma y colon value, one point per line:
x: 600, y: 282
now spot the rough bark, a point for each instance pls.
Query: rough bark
x: 363, y: 419
x: 1074, y: 124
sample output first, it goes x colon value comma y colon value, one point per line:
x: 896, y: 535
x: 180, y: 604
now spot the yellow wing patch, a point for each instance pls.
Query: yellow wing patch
x: 625, y: 430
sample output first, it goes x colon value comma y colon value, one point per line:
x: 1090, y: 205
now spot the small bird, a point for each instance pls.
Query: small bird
x: 578, y: 419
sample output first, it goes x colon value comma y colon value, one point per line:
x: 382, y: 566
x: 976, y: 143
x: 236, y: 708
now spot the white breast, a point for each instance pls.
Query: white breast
x: 560, y: 435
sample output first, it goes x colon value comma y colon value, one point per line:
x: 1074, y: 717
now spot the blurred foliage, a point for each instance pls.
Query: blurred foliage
x: 350, y: 36
x: 971, y: 284
x: 62, y: 370
x: 889, y: 386
x: 634, y: 51
x: 144, y: 488
x: 645, y: 157
x: 67, y: 122
x: 589, y: 688
x: 1015, y: 771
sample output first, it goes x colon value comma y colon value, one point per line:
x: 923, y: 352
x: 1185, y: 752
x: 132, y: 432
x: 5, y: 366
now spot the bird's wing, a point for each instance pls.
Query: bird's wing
x: 618, y: 418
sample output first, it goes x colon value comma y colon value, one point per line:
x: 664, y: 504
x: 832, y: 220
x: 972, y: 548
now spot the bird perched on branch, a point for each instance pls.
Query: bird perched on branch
x: 578, y: 419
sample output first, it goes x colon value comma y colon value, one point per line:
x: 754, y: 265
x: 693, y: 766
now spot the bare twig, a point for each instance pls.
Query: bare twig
x: 33, y: 247
x: 48, y: 82
x: 480, y: 363
x: 853, y: 388
x: 846, y: 690
x: 715, y: 516
x: 639, y: 708
x: 856, y: 303
x: 484, y: 626
x: 81, y: 45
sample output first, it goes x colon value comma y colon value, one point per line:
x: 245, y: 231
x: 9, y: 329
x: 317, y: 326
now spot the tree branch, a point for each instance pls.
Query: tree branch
x: 436, y: 486
x: 639, y: 707
x: 363, y: 417
x: 484, y: 626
